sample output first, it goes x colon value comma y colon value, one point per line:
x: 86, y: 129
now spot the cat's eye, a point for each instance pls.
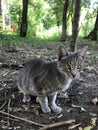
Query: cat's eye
x: 78, y: 67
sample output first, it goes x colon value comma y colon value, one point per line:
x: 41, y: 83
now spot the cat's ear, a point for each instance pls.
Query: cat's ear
x: 83, y: 51
x: 62, y: 52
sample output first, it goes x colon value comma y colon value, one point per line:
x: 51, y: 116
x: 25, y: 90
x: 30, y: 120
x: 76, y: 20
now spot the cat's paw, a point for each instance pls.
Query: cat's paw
x: 56, y: 109
x: 26, y: 99
x: 37, y: 100
x: 46, y: 110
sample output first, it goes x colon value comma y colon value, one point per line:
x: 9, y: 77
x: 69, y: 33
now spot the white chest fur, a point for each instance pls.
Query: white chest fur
x: 67, y: 85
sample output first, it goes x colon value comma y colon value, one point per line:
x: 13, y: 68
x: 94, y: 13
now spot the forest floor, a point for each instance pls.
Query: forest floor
x: 80, y: 103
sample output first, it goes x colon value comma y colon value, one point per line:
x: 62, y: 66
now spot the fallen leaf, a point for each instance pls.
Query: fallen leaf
x: 95, y: 100
x: 82, y: 109
x: 73, y: 126
x: 63, y: 95
x: 26, y: 108
x: 17, y: 109
x: 80, y: 128
x: 37, y: 56
x: 88, y: 128
x: 93, y: 124
x: 53, y: 117
x: 4, y: 127
x: 93, y: 121
x: 60, y: 116
x: 92, y: 114
x: 88, y: 53
x: 75, y: 106
x: 35, y: 111
x: 57, y: 116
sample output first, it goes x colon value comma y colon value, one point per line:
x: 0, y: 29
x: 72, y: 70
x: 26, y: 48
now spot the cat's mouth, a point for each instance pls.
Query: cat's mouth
x: 73, y: 75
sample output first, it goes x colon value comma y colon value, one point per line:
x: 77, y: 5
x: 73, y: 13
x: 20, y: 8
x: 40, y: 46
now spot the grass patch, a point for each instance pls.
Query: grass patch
x: 89, y: 42
x: 9, y: 39
x: 14, y: 39
x: 94, y: 55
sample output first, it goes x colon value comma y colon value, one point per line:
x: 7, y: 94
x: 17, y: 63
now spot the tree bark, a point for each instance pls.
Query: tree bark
x: 75, y: 25
x: 23, y: 29
x: 93, y: 34
x: 64, y: 20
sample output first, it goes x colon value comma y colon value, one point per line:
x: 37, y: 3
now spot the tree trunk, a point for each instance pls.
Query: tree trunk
x: 64, y: 21
x: 23, y: 29
x: 93, y: 34
x: 75, y: 25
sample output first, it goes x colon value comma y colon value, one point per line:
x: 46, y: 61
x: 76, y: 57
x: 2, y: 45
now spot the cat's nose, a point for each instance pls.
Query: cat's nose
x: 73, y: 75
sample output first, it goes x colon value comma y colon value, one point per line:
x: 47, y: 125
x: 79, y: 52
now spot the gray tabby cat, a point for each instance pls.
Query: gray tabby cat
x: 46, y: 79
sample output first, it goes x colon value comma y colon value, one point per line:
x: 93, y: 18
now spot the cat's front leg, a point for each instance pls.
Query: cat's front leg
x: 67, y: 85
x: 44, y: 104
x: 26, y: 98
x: 52, y: 101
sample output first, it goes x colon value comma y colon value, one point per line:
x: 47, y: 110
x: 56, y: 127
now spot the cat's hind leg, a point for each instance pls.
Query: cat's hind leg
x: 52, y: 101
x: 44, y: 104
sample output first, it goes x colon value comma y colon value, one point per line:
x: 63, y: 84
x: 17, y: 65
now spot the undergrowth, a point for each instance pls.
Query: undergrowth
x: 9, y: 39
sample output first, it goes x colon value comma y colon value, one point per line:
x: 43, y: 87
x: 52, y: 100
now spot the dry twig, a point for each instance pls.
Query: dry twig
x: 3, y: 105
x: 57, y: 124
x: 8, y: 109
x: 19, y: 118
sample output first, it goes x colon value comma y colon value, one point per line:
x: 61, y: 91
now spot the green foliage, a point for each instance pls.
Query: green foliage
x: 88, y: 16
x: 10, y: 39
x: 86, y: 4
x: 13, y: 39
x: 15, y: 11
x: 0, y: 22
x: 94, y: 55
x: 56, y: 10
x: 48, y: 20
x: 88, y: 26
x: 35, y: 14
x: 45, y: 15
x: 88, y: 23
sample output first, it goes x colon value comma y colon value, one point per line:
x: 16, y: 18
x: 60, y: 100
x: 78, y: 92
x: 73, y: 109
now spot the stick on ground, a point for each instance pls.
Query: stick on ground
x: 19, y: 118
x: 57, y: 124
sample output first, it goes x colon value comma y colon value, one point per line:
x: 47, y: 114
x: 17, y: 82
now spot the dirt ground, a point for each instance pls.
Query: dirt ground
x: 79, y: 104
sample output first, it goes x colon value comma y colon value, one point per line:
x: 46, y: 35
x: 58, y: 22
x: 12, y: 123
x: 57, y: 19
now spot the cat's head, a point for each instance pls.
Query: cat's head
x: 71, y: 62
